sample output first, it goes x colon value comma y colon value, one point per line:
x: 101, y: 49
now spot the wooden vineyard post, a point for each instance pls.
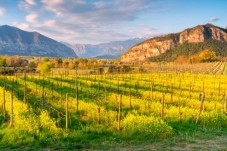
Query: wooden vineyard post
x: 35, y: 87
x: 77, y: 100
x: 171, y: 98
x: 110, y: 82
x: 180, y: 84
x: 43, y: 100
x: 203, y: 86
x: 130, y: 91
x: 52, y: 90
x: 118, y: 90
x: 219, y: 88
x: 99, y: 122
x: 11, y: 124
x: 77, y: 97
x: 62, y: 75
x: 163, y: 104
x: 190, y: 92
x: 4, y: 100
x: 179, y: 107
x: 119, y: 114
x: 130, y: 97
x: 11, y: 111
x: 60, y: 119
x: 202, y: 98
x: 105, y: 99
x: 114, y: 105
x: 25, y: 101
x: 43, y: 95
x: 125, y: 88
x: 152, y: 90
x: 223, y: 103
x: 66, y: 112
x: 87, y: 97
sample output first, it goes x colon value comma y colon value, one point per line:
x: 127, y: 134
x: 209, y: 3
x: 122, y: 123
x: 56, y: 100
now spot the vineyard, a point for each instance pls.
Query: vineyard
x: 68, y: 110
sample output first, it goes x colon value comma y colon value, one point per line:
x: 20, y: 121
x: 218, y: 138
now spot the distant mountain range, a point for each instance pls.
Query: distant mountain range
x: 185, y: 43
x: 14, y: 41
x: 110, y: 50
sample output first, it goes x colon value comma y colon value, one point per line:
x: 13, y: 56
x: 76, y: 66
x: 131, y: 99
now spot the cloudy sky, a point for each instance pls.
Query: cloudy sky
x: 97, y: 21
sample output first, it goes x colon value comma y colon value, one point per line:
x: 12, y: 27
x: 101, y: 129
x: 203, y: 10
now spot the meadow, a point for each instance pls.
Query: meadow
x: 170, y: 108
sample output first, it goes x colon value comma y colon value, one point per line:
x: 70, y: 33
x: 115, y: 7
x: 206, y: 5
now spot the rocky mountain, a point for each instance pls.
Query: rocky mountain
x: 14, y: 41
x: 160, y: 45
x: 111, y: 50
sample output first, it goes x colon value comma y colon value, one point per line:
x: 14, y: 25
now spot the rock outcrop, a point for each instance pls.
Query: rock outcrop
x: 158, y: 45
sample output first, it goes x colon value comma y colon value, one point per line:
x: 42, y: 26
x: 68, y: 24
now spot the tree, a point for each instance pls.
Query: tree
x: 45, y: 67
x: 181, y: 60
x: 46, y: 59
x: 3, y: 62
x: 112, y: 69
x: 32, y: 64
x: 126, y: 69
x: 207, y: 56
x: 57, y: 62
x: 65, y: 64
x: 71, y: 65
x: 101, y: 70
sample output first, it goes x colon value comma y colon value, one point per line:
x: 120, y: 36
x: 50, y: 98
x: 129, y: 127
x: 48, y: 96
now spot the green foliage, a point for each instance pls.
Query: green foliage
x: 32, y: 64
x: 45, y: 67
x: 207, y: 56
x: 119, y: 69
x: 154, y: 127
x: 3, y: 62
x: 214, y: 119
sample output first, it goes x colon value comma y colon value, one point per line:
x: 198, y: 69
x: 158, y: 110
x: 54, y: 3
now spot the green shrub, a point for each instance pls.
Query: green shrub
x: 213, y: 119
x: 140, y: 124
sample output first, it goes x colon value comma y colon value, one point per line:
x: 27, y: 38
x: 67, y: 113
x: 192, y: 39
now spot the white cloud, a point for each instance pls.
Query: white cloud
x: 53, y: 6
x: 31, y: 2
x: 49, y: 23
x: 32, y: 18
x: 100, y: 4
x: 80, y: 21
x: 26, y: 5
x: 2, y: 11
x: 214, y: 19
x: 22, y: 26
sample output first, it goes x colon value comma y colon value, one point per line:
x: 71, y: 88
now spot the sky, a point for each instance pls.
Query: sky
x: 99, y: 21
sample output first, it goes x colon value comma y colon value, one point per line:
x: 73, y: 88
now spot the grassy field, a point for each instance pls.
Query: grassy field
x: 168, y: 109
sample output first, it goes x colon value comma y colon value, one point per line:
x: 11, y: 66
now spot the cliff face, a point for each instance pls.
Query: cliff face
x: 156, y: 46
x: 203, y: 33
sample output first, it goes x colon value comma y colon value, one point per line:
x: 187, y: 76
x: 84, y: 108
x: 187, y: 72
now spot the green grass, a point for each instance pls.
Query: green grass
x: 185, y: 138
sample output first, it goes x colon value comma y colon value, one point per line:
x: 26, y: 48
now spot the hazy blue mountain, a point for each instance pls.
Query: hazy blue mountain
x: 14, y: 41
x: 110, y: 50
